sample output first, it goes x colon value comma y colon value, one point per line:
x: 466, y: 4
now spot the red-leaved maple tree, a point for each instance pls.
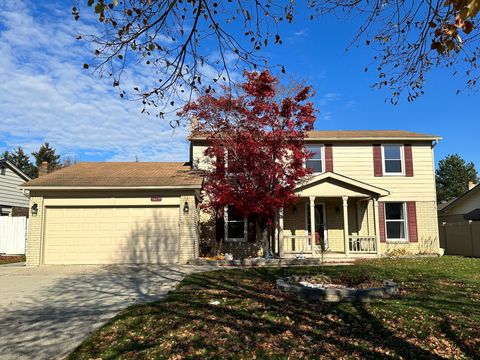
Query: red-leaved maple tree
x: 255, y: 143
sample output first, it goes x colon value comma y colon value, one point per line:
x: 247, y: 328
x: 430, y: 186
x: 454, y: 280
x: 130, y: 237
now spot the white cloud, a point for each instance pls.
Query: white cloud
x: 327, y: 99
x: 46, y: 95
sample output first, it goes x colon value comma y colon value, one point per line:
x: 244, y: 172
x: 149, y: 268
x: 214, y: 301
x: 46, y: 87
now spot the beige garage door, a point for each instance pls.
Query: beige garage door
x: 111, y: 235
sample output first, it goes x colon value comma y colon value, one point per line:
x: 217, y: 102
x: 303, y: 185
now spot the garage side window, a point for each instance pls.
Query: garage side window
x: 235, y: 224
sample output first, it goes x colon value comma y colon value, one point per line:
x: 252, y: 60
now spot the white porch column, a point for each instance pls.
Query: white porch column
x: 345, y: 225
x: 376, y: 218
x: 312, y: 223
x: 280, y: 233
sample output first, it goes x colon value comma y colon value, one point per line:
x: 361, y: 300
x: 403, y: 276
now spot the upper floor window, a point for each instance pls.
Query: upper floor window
x: 3, y: 170
x: 316, y: 161
x: 393, y: 160
x: 395, y: 223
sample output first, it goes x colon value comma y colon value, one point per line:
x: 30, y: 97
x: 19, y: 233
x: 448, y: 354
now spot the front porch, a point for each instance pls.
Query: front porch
x: 341, y: 213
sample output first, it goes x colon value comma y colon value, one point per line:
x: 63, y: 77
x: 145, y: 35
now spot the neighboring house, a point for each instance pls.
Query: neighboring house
x: 383, y: 181
x: 465, y: 207
x: 13, y: 201
x: 459, y: 221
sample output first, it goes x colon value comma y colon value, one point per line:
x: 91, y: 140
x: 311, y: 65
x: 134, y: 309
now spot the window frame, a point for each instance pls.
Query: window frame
x: 322, y: 155
x: 402, y: 160
x: 6, y: 211
x: 405, y: 222
x: 245, y: 228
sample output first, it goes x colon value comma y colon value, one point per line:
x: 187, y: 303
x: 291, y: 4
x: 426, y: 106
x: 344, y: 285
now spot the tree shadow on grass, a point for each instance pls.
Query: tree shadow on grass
x: 239, y: 314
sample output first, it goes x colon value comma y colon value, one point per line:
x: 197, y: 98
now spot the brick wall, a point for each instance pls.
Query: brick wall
x: 35, y: 233
x: 427, y: 229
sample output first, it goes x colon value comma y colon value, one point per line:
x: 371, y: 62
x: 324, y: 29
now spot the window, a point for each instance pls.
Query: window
x: 315, y: 162
x: 236, y: 225
x: 393, y: 159
x: 395, y: 223
x: 5, y: 212
x: 3, y: 170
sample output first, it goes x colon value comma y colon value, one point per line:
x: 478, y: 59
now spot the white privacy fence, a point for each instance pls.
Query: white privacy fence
x: 13, y: 234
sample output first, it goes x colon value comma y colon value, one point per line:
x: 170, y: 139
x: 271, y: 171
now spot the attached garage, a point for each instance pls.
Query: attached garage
x: 111, y: 235
x: 114, y: 213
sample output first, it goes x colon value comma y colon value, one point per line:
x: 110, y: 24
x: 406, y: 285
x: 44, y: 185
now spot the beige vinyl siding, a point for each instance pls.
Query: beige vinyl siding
x: 10, y: 194
x: 199, y: 160
x: 356, y: 160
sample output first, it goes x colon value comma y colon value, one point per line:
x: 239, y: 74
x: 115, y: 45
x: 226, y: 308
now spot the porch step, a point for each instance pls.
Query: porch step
x: 253, y: 262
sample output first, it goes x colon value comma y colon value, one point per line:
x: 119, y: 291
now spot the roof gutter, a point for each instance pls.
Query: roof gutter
x: 167, y: 187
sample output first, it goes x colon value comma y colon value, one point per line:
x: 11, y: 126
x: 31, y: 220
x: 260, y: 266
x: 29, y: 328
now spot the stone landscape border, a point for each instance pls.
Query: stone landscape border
x: 292, y: 285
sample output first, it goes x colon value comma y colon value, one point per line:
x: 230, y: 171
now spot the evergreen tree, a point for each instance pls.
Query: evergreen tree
x: 5, y: 155
x: 48, y: 154
x: 21, y: 160
x: 452, y: 176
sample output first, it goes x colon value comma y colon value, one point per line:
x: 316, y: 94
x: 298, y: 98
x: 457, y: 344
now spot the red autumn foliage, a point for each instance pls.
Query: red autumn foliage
x: 255, y: 142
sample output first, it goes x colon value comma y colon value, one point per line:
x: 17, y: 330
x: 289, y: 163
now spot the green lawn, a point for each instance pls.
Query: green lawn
x: 8, y: 259
x: 436, y: 315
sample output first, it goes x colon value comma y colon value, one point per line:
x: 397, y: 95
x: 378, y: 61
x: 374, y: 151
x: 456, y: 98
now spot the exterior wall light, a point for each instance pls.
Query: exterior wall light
x: 337, y: 210
x: 294, y: 210
x: 34, y: 209
x: 185, y: 208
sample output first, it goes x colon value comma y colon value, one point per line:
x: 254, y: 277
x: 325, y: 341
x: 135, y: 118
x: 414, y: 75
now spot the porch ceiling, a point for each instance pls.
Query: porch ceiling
x: 330, y: 184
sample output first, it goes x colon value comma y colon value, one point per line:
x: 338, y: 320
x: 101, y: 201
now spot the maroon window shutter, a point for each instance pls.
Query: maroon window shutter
x: 252, y: 228
x: 328, y: 158
x: 407, y: 148
x: 412, y: 221
x: 381, y: 221
x: 377, y: 160
x: 220, y: 227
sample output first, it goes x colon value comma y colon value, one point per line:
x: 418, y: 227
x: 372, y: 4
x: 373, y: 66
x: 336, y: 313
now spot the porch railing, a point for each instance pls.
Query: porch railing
x: 297, y: 244
x: 363, y: 244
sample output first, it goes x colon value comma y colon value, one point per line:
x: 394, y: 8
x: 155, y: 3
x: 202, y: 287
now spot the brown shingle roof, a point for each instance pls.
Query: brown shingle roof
x: 344, y: 135
x: 370, y: 134
x: 120, y: 174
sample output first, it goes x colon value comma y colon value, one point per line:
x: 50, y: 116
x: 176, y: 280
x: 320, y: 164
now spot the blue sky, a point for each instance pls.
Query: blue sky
x: 45, y: 95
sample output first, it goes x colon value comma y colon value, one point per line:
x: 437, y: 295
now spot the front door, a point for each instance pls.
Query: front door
x: 321, y: 238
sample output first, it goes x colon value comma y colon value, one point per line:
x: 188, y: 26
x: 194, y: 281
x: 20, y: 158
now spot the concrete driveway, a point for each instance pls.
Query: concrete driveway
x: 46, y: 312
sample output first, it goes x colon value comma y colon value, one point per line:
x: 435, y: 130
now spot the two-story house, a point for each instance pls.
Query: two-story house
x: 371, y: 192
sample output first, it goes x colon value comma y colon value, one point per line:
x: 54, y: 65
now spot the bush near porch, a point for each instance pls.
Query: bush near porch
x: 240, y: 314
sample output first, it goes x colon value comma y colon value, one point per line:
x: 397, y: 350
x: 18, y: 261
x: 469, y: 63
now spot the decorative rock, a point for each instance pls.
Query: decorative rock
x: 325, y: 294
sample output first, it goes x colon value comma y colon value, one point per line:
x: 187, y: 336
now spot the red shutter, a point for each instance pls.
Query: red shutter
x: 407, y: 149
x: 220, y: 227
x: 252, y: 228
x: 377, y: 160
x: 381, y: 221
x: 412, y: 221
x: 328, y: 158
